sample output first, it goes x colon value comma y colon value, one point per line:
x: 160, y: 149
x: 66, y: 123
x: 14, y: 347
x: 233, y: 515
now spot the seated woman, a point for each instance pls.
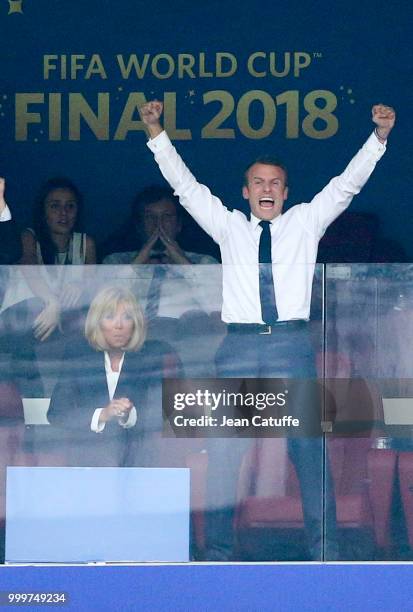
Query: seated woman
x: 56, y: 237
x: 36, y: 300
x: 100, y: 400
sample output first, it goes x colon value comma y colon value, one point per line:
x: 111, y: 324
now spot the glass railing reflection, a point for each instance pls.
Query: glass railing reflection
x: 59, y: 408
x: 367, y: 367
x: 71, y: 335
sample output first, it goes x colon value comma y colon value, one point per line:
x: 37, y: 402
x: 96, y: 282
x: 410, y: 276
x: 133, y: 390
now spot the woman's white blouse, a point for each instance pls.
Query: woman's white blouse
x: 112, y: 382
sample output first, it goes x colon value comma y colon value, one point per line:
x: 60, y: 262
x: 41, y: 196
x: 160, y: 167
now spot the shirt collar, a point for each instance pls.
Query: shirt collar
x: 108, y: 367
x: 254, y: 221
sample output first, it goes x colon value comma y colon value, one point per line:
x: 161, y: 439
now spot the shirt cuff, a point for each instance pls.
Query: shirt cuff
x: 95, y: 425
x: 375, y: 147
x: 159, y: 143
x: 5, y: 215
x: 132, y: 418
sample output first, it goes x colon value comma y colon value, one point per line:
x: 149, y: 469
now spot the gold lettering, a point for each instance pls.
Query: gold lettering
x: 55, y: 116
x: 133, y: 63
x: 76, y: 64
x: 186, y: 62
x: 317, y: 113
x: 202, y: 70
x: 63, y: 67
x: 273, y: 64
x: 250, y: 65
x: 170, y: 119
x: 219, y: 64
x: 243, y: 114
x: 171, y: 66
x: 96, y: 67
x: 290, y: 99
x: 48, y: 64
x: 301, y: 61
x: 127, y: 123
x: 23, y: 116
x: 98, y: 123
x: 213, y: 128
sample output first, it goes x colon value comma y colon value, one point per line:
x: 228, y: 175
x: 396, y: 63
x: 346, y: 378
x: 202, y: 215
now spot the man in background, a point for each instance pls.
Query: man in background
x: 165, y: 279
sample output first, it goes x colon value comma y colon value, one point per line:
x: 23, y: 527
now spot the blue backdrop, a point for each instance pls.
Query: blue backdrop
x: 296, y: 79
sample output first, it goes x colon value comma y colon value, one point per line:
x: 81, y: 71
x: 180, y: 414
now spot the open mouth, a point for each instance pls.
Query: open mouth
x: 266, y: 202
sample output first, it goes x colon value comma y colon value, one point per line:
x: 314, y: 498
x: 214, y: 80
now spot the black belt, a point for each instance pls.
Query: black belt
x: 258, y: 328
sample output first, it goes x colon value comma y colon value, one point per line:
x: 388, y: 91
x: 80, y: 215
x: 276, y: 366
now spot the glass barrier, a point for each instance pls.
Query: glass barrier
x: 368, y: 315
x: 132, y: 367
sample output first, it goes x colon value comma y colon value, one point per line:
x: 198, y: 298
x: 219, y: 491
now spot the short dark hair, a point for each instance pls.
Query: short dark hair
x: 267, y: 160
x: 153, y: 194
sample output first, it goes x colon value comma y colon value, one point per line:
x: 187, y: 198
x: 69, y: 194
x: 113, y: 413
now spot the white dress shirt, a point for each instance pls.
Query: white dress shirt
x: 112, y: 378
x: 295, y: 234
x: 5, y: 215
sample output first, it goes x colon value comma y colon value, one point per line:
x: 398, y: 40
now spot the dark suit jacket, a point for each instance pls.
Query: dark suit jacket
x: 82, y: 388
x: 10, y: 245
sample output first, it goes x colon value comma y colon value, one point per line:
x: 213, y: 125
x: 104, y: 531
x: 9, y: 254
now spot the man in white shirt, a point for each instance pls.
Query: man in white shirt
x: 267, y: 307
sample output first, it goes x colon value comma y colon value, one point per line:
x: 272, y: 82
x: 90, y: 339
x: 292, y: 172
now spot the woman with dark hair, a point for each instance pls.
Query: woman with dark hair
x: 56, y: 237
x: 37, y: 300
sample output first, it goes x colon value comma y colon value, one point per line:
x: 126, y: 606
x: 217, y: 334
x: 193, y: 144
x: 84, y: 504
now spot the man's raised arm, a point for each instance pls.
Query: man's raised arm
x: 384, y: 117
x: 205, y: 208
x: 337, y: 195
x: 151, y: 116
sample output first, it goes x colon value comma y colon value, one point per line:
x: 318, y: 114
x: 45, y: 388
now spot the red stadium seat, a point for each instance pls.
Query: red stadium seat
x: 406, y: 490
x: 363, y: 480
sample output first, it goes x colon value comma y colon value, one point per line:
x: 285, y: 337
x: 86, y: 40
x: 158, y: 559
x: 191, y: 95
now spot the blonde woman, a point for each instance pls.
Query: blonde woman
x: 100, y: 398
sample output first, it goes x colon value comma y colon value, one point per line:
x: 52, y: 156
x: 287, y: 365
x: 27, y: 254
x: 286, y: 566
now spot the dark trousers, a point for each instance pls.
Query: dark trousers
x: 286, y: 353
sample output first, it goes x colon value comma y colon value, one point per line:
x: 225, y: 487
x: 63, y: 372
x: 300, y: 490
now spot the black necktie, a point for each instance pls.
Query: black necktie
x: 267, y: 295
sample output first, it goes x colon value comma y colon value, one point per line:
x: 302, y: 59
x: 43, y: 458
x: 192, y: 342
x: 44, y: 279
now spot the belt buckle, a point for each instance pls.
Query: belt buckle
x: 267, y: 331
